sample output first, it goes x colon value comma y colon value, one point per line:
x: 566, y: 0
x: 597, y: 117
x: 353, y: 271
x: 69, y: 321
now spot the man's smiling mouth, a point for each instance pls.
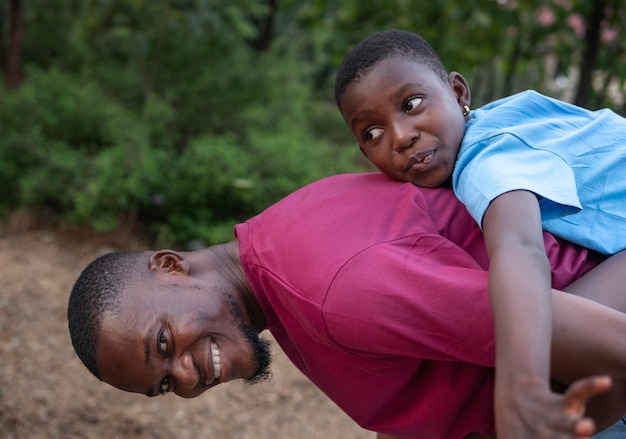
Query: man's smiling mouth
x: 216, y: 361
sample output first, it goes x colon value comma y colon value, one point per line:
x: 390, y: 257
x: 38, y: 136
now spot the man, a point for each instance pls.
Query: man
x: 375, y: 289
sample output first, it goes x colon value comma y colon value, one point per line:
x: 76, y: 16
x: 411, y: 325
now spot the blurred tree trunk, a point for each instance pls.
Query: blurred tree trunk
x: 590, y: 55
x: 3, y: 36
x: 265, y: 26
x: 13, y: 76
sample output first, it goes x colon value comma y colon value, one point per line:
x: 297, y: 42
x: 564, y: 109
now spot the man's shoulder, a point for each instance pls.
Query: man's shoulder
x: 350, y: 181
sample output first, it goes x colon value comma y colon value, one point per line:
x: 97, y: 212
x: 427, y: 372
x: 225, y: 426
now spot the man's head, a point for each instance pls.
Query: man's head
x: 142, y: 323
x: 406, y: 111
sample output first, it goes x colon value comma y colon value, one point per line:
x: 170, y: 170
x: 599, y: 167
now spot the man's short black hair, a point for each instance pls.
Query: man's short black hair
x: 96, y: 293
x: 380, y: 46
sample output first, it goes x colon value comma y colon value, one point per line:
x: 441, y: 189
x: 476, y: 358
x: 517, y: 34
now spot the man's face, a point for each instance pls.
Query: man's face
x: 408, y: 121
x: 179, y: 338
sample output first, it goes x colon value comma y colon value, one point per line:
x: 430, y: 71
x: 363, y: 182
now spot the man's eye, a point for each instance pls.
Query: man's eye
x: 162, y: 343
x: 373, y: 133
x: 165, y: 384
x: 412, y: 104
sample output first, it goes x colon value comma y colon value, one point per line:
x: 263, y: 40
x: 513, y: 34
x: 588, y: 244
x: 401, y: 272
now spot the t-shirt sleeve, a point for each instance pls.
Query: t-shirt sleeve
x: 423, y: 297
x: 505, y: 163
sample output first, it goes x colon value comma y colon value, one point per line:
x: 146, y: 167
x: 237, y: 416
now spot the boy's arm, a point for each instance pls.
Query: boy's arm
x: 520, y: 297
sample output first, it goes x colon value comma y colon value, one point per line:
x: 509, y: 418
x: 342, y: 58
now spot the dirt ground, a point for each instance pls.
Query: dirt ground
x: 45, y: 392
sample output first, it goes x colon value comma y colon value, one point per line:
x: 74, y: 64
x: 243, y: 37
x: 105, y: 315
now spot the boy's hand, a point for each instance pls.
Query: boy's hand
x: 540, y: 413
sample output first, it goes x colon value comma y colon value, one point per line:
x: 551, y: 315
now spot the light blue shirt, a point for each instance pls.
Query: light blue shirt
x: 572, y: 158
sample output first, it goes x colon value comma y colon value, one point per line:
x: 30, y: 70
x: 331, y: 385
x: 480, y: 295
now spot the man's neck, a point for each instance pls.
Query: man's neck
x: 228, y: 257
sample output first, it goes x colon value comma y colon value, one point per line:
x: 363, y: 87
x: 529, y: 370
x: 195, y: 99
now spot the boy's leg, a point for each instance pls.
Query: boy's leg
x: 587, y: 340
x: 605, y: 284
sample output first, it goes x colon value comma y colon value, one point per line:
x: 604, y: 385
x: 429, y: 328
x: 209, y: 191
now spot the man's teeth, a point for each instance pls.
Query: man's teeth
x: 215, y: 358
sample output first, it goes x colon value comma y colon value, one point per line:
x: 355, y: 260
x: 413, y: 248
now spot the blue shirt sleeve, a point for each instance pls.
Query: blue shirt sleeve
x: 503, y: 163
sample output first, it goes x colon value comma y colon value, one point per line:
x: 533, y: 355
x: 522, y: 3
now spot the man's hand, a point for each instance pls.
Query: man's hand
x: 538, y: 414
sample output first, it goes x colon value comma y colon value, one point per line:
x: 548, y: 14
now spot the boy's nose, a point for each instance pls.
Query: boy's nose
x: 404, y: 135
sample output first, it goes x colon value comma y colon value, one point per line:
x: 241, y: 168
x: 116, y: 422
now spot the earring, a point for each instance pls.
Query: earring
x: 466, y: 110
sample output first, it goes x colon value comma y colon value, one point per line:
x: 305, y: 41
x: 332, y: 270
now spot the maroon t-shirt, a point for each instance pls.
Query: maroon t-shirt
x: 377, y: 291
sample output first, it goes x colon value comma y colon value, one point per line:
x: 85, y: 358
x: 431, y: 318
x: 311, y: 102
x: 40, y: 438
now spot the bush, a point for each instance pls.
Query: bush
x: 73, y: 151
x: 221, y: 180
x: 188, y: 164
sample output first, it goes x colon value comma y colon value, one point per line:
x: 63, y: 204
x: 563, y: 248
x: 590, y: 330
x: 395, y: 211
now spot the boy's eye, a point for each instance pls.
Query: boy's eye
x: 162, y: 343
x: 373, y: 133
x: 412, y: 104
x: 165, y: 384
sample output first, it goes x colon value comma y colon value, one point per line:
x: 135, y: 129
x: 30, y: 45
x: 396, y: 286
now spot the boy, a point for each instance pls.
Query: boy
x: 538, y: 161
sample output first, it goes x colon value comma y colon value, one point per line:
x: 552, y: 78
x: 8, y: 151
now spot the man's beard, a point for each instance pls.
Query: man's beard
x: 260, y: 347
x: 261, y: 354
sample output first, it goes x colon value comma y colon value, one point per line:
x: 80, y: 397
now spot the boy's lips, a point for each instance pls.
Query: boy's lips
x: 419, y: 162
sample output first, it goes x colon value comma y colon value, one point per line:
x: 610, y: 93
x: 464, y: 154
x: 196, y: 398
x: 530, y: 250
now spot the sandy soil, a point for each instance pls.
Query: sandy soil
x: 45, y: 392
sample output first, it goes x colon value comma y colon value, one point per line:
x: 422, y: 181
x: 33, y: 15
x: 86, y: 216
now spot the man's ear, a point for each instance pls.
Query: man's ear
x: 169, y: 262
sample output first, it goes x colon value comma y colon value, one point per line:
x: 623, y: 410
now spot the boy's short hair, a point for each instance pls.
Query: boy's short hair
x: 380, y: 46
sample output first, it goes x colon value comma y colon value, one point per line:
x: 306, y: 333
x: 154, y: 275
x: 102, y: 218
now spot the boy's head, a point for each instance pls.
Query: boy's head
x: 380, y: 46
x: 407, y: 113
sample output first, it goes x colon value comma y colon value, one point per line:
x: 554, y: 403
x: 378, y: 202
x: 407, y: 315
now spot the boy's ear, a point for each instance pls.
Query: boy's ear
x: 461, y: 88
x: 169, y: 262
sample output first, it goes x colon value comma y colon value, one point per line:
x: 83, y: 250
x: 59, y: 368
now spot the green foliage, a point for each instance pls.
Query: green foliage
x: 58, y: 107
x: 501, y: 46
x: 121, y: 184
x: 54, y: 178
x: 81, y: 155
x: 171, y: 114
x: 221, y: 180
x: 73, y: 150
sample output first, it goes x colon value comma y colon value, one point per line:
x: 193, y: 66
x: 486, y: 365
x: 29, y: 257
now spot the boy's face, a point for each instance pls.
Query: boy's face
x: 407, y: 120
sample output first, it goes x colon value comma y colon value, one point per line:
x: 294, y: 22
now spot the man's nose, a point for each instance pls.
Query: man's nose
x: 185, y: 372
x: 404, y: 134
